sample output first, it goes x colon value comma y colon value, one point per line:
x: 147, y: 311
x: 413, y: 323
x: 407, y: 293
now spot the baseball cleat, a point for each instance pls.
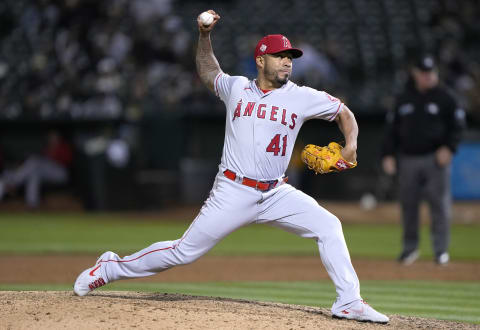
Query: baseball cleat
x: 92, y: 278
x: 408, y: 258
x: 442, y: 259
x: 361, y: 311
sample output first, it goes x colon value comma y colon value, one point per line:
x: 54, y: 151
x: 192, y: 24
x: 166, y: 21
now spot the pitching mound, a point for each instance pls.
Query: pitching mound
x: 118, y: 310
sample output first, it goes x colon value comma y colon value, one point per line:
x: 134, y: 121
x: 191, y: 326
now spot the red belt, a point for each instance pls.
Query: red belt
x: 260, y: 185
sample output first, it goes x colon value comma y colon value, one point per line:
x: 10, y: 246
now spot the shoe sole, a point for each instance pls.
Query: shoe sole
x: 364, y: 321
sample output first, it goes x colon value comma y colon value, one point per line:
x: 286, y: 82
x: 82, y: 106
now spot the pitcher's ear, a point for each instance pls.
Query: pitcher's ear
x: 260, y: 61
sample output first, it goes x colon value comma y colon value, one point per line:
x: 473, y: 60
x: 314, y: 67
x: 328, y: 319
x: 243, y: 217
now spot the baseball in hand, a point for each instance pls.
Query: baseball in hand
x: 206, y: 18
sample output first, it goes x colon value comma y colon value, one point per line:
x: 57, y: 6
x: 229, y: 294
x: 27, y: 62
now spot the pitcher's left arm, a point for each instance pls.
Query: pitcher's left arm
x: 348, y: 126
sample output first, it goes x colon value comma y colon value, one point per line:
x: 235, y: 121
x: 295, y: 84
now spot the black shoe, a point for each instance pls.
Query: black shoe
x: 442, y: 258
x: 408, y: 258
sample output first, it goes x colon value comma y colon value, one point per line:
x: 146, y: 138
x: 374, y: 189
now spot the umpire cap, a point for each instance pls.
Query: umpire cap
x: 425, y: 63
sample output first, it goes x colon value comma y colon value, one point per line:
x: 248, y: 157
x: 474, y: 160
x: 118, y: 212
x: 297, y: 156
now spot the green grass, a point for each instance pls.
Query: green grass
x: 80, y: 233
x: 455, y: 301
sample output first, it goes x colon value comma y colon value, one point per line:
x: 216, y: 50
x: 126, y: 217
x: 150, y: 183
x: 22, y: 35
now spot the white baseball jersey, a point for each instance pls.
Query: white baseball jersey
x: 266, y: 123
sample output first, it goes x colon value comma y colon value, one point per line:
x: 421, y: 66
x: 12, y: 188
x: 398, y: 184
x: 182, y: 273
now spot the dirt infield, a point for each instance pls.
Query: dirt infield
x: 122, y: 310
x: 45, y: 269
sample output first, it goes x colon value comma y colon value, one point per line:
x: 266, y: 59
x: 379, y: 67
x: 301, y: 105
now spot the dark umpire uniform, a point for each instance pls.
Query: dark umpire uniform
x: 423, y: 131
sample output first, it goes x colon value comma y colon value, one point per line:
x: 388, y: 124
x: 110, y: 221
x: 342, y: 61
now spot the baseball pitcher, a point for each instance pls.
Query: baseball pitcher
x: 263, y: 118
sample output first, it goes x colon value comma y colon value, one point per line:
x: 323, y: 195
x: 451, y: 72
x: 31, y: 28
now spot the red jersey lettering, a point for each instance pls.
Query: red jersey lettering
x: 293, y: 121
x: 249, y: 109
x: 284, y: 114
x: 260, y: 111
x: 273, y: 114
x: 236, y: 113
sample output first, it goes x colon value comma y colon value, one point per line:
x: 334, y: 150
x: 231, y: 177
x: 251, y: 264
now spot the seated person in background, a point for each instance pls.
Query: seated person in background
x: 50, y: 167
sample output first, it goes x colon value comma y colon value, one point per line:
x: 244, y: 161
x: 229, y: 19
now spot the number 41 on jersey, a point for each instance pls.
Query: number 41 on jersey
x: 274, y: 145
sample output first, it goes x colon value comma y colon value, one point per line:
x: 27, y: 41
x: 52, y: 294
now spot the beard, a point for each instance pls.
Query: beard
x: 274, y: 76
x: 282, y: 81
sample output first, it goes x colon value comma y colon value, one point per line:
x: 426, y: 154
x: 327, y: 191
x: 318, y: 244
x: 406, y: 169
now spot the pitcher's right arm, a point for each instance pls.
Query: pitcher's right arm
x: 207, y: 64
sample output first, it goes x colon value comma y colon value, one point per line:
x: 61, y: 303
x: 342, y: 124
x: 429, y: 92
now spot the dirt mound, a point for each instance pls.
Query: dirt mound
x: 118, y: 310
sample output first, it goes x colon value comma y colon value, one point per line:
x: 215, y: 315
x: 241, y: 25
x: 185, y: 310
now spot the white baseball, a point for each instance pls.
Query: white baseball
x: 206, y: 18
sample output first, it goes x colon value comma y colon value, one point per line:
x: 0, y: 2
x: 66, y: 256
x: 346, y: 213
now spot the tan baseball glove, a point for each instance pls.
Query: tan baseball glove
x: 325, y: 159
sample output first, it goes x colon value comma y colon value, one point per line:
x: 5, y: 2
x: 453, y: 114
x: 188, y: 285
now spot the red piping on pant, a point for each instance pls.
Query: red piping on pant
x: 163, y: 249
x: 167, y: 248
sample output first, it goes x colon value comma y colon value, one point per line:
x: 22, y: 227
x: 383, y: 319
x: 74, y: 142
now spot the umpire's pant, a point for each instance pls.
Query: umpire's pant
x: 420, y: 175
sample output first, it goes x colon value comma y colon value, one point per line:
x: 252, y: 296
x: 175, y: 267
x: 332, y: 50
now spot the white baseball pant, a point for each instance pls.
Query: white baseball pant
x: 232, y: 205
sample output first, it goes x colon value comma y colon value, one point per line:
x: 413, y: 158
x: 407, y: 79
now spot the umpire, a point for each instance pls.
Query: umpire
x: 422, y: 133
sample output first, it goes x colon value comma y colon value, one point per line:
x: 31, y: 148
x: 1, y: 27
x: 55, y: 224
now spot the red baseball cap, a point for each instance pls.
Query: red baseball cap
x: 275, y: 43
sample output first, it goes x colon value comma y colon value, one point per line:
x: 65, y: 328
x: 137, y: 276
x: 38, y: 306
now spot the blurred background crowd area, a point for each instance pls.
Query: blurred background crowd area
x: 117, y: 79
x: 88, y: 59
